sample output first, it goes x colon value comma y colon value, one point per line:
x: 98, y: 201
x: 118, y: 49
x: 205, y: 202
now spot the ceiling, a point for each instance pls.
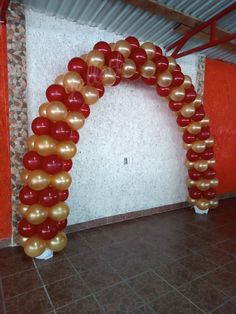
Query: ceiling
x: 137, y: 18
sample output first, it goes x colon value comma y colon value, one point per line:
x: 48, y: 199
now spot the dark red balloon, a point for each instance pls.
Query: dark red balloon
x: 207, y: 154
x: 28, y: 196
x: 204, y: 133
x: 103, y: 47
x: 182, y: 121
x: 52, y: 164
x: 67, y: 164
x: 60, y: 130
x: 48, y: 197
x: 74, y: 136
x: 178, y: 78
x: 175, y: 106
x: 139, y: 56
x: 150, y: 80
x: 78, y: 65
x: 162, y: 63
x: 26, y: 229
x: 118, y: 80
x: 209, y: 194
x: 188, y: 138
x: 63, y: 195
x: 158, y: 52
x: 133, y: 41
x: 191, y: 155
x: 194, y: 193
x: 85, y: 110
x: 55, y: 92
x: 74, y: 101
x: 199, y: 114
x: 101, y: 90
x: 135, y: 77
x: 190, y: 95
x: 41, y: 126
x: 32, y: 160
x: 177, y: 69
x: 61, y: 224
x: 93, y: 76
x: 115, y: 60
x: 163, y: 91
x: 194, y: 174
x: 209, y: 174
x: 47, y: 230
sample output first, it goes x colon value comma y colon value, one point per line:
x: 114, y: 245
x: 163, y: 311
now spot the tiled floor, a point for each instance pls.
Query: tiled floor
x: 175, y: 262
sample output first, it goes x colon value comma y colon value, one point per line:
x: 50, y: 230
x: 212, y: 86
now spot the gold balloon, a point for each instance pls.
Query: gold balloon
x: 36, y: 214
x: 24, y: 176
x: 214, y: 203
x: 95, y: 58
x: 211, y: 162
x: 112, y: 45
x: 150, y: 49
x: 59, y: 80
x: 148, y: 69
x: 190, y: 183
x: 197, y: 101
x: 172, y: 63
x: 90, y: 94
x: 21, y: 240
x: 56, y: 111
x: 59, y: 212
x: 199, y: 146
x: 108, y: 76
x: 45, y: 145
x: 210, y: 141
x: 34, y: 246
x: 191, y: 201
x: 205, y: 122
x: 43, y: 109
x: 194, y: 127
x: 73, y: 82
x: 189, y: 164
x: 61, y: 180
x: 187, y: 111
x: 123, y: 46
x: 66, y: 149
x: 201, y: 165
x: 202, y: 204
x: 22, y: 209
x: 203, y: 184
x: 164, y: 79
x: 187, y: 81
x: 75, y: 120
x: 129, y: 68
x: 214, y: 182
x: 57, y: 243
x: 84, y: 57
x: 38, y: 180
x: 187, y: 146
x: 31, y: 142
x: 177, y: 94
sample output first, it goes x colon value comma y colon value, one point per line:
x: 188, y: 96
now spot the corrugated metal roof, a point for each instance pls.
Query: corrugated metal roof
x: 125, y: 19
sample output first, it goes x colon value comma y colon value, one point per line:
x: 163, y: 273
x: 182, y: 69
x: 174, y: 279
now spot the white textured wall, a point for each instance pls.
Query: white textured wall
x: 129, y: 121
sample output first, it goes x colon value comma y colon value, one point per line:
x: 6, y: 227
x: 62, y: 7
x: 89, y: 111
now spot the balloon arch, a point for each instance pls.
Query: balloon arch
x: 46, y: 165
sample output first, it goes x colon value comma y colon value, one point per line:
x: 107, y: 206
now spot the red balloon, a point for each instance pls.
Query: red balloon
x: 74, y: 101
x: 52, y: 164
x: 175, y: 106
x: 93, y: 76
x: 61, y: 224
x: 101, y: 90
x: 190, y: 95
x: 85, y: 110
x: 26, y: 229
x: 28, y: 196
x: 103, y: 47
x: 177, y: 69
x: 209, y: 194
x: 78, y: 65
x: 162, y: 63
x: 163, y: 91
x: 67, y: 164
x: 32, y: 160
x: 191, y: 155
x: 150, y: 80
x: 199, y: 114
x: 133, y: 41
x: 118, y: 80
x: 115, y: 60
x: 135, y: 77
x: 74, y: 136
x: 182, y: 121
x: 178, y: 78
x: 47, y: 230
x: 194, y: 193
x: 158, y: 52
x: 188, y: 138
x: 139, y: 56
x: 63, y: 195
x: 204, y: 133
x: 194, y: 174
x: 41, y: 126
x: 60, y: 130
x: 55, y: 92
x: 48, y: 197
x: 207, y: 154
x: 209, y: 174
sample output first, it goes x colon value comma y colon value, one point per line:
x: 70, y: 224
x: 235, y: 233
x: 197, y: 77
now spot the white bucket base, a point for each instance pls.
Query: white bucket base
x: 200, y: 212
x: 47, y: 254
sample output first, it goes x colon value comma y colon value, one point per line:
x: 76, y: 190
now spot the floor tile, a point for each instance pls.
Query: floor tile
x: 144, y: 309
x: 113, y: 252
x: 228, y: 308
x: 85, y: 306
x: 195, y: 243
x: 228, y: 246
x: 231, y: 267
x: 216, y: 255
x: 121, y: 231
x: 87, y: 261
x: 77, y: 245
x: 96, y: 238
x: 57, y: 256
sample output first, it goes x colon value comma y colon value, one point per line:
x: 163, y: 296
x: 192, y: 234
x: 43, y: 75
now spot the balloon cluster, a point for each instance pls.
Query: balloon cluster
x: 52, y: 146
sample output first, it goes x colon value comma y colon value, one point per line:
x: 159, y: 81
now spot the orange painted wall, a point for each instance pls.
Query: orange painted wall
x: 5, y: 174
x: 220, y: 106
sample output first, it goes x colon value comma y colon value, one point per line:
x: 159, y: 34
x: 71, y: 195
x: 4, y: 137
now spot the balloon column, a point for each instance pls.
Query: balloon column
x: 46, y: 177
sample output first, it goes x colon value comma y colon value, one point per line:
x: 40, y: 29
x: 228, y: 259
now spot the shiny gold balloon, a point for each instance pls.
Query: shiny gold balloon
x: 75, y: 120
x: 190, y: 183
x: 95, y: 58
x: 108, y: 76
x: 84, y: 57
x: 34, y: 246
x: 187, y: 81
x: 56, y: 111
x: 194, y: 127
x: 36, y: 214
x: 59, y: 212
x: 21, y: 240
x: 57, y: 243
x: 214, y: 203
x: 129, y: 68
x: 112, y: 45
x: 90, y: 94
x: 198, y: 101
x: 22, y: 209
x: 150, y: 49
x: 189, y: 164
x: 199, y: 146
x: 123, y: 46
x: 187, y: 146
x: 164, y: 79
x: 210, y: 141
x: 61, y: 180
x: 38, y: 180
x: 73, y: 82
x: 202, y: 204
x: 172, y: 63
x: 24, y: 176
x: 201, y: 165
x: 59, y: 80
x: 187, y: 111
x: 43, y: 109
x: 45, y: 145
x: 31, y: 142
x: 191, y: 201
x: 211, y: 162
x: 203, y: 184
x: 214, y: 182
x: 177, y: 94
x: 205, y: 122
x: 148, y: 69
x: 66, y: 149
